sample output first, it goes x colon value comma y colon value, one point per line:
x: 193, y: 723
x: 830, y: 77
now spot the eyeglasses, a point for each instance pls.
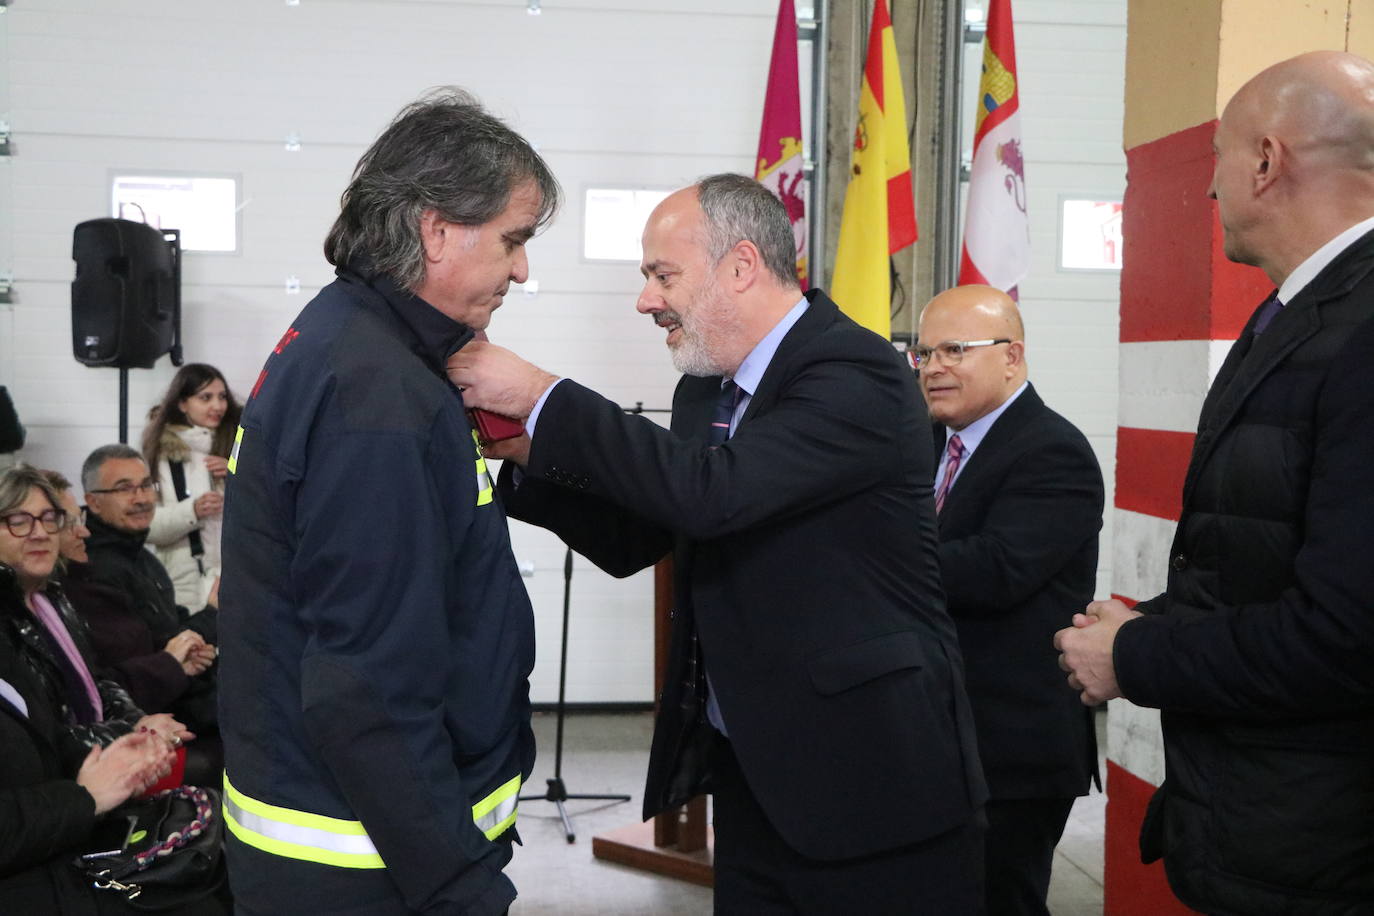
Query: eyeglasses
x: 21, y: 523
x: 129, y: 489
x: 951, y: 352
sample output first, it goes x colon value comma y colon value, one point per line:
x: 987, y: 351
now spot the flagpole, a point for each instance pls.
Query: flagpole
x: 949, y: 163
x: 820, y: 67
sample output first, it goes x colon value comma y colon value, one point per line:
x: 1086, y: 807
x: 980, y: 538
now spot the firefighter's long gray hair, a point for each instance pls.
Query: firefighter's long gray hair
x: 441, y: 153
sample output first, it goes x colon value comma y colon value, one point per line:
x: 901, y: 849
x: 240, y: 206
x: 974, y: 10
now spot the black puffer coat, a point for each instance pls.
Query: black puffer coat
x: 52, y: 671
x: 1261, y: 651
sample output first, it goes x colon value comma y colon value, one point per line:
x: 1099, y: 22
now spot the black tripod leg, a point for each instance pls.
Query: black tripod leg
x: 567, y: 823
x: 557, y: 791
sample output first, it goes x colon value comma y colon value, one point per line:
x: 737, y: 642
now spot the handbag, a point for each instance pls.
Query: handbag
x: 160, y: 852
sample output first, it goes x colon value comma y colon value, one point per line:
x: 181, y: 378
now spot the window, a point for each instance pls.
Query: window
x: 613, y: 222
x: 204, y: 208
x: 1089, y: 234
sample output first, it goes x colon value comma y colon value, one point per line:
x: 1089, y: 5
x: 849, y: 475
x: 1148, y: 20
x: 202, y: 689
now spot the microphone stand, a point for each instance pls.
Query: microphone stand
x: 558, y: 791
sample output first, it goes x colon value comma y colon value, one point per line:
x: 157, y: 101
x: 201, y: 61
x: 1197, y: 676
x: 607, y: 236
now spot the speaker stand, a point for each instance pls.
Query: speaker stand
x: 557, y: 791
x: 124, y: 406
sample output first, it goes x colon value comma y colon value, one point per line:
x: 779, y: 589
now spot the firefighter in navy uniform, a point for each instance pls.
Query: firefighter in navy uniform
x: 376, y: 638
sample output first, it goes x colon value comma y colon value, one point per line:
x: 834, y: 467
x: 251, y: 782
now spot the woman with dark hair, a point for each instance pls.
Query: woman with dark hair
x: 186, y: 444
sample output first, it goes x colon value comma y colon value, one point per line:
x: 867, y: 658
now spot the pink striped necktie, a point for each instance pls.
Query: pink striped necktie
x: 956, y: 452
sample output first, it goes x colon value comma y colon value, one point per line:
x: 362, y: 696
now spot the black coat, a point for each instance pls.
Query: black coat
x: 52, y: 672
x: 1018, y: 554
x: 1259, y: 652
x: 805, y: 561
x: 119, y: 560
x: 125, y: 647
x: 45, y: 817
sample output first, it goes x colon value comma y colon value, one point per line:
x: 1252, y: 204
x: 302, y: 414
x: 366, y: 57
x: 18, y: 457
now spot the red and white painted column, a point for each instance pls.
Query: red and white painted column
x: 1182, y: 306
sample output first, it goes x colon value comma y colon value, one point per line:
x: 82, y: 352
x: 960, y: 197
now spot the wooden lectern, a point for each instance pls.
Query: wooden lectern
x: 677, y: 843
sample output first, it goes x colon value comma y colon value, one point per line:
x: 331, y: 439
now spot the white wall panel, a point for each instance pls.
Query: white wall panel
x: 638, y: 94
x: 650, y: 93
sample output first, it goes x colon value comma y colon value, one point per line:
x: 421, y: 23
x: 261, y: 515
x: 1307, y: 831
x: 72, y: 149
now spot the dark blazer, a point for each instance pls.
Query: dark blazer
x: 1258, y: 652
x: 805, y: 563
x: 1018, y: 553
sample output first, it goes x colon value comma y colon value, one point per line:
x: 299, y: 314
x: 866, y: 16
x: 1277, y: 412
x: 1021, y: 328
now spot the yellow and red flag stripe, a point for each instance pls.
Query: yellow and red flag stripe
x: 879, y: 206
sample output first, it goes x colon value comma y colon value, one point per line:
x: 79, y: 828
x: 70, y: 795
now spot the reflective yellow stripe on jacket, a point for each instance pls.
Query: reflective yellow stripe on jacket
x: 334, y: 841
x: 484, y: 487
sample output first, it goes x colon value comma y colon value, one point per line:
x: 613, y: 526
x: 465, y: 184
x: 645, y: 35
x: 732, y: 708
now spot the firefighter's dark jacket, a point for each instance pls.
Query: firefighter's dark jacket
x: 376, y: 638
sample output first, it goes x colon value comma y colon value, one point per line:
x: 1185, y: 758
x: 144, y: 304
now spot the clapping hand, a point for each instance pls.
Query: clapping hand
x: 129, y: 765
x: 166, y: 727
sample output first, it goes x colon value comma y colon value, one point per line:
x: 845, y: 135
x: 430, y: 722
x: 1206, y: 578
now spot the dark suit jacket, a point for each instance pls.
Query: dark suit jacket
x: 1018, y: 552
x: 805, y: 561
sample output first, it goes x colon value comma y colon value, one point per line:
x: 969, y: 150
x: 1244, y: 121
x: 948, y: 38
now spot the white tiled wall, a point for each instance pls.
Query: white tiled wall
x: 652, y: 93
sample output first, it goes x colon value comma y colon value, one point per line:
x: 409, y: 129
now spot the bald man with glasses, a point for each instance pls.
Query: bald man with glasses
x: 1019, y: 499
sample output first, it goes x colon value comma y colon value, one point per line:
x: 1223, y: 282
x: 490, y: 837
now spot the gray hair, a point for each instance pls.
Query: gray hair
x: 90, y: 468
x: 738, y: 208
x: 16, y: 483
x: 441, y: 153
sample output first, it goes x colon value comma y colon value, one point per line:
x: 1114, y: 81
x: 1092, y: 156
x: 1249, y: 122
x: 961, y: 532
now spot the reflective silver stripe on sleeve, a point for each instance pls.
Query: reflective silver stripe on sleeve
x: 350, y: 844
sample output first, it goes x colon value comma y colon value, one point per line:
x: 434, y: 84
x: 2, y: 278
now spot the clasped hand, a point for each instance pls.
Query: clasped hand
x: 1086, y: 650
x: 191, y: 651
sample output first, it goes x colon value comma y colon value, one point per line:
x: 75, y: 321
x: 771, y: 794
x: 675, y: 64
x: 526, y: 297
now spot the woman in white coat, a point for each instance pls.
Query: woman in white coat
x: 187, y: 443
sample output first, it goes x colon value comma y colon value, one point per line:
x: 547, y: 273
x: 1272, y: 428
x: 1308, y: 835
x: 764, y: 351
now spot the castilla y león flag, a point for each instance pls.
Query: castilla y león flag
x: 779, y: 165
x: 996, y: 229
x: 879, y: 209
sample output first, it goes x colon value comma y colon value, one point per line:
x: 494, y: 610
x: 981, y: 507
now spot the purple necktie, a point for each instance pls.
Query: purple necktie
x: 956, y: 452
x: 1271, y: 307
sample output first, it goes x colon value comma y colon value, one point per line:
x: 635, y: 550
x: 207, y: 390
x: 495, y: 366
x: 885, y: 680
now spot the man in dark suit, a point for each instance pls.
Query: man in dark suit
x: 815, y: 684
x: 1005, y: 464
x: 1260, y: 651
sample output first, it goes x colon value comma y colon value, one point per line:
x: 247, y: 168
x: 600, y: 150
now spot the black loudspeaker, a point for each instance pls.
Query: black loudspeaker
x: 125, y: 295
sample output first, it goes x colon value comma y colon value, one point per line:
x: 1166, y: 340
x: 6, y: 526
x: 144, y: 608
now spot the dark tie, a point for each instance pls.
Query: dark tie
x: 715, y: 436
x: 1271, y: 307
x: 725, y: 412
x: 956, y: 452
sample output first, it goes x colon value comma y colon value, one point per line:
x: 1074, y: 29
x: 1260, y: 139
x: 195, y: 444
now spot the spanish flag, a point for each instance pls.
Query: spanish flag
x: 879, y: 205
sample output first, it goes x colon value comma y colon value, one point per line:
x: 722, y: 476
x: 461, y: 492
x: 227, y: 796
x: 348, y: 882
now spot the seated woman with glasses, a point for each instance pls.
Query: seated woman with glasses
x: 162, y: 673
x: 55, y: 785
x: 44, y: 630
x: 53, y: 792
